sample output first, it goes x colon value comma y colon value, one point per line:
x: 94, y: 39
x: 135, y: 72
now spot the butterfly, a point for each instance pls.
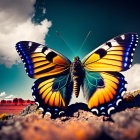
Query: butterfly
x: 98, y: 74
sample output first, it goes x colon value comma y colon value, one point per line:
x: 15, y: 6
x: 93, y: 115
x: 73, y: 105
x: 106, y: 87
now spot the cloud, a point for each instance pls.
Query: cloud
x: 10, y: 97
x: 16, y: 26
x: 132, y: 76
x: 2, y: 95
x: 24, y: 31
x: 12, y: 13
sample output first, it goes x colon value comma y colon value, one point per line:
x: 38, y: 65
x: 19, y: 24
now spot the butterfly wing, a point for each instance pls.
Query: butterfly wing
x: 41, y: 61
x: 52, y: 91
x: 107, y: 61
x: 114, y: 55
x: 103, y: 91
x: 53, y: 95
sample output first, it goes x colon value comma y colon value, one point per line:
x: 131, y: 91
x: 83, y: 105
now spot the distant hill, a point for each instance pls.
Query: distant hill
x: 16, y: 101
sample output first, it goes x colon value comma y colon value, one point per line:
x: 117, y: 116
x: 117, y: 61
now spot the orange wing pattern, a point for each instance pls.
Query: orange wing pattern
x: 107, y: 97
x: 52, y: 95
x: 115, y: 55
x: 41, y: 61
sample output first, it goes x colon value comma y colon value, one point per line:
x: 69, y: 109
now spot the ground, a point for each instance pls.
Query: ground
x: 77, y: 124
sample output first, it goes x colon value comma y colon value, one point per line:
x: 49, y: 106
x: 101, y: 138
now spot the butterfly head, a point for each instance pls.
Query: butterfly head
x: 76, y: 59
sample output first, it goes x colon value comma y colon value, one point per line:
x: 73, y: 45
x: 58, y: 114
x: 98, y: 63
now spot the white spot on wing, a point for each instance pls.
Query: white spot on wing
x: 61, y: 112
x: 41, y: 109
x: 34, y: 97
x: 122, y: 37
x: 110, y: 109
x: 125, y: 85
x: 48, y: 113
x: 118, y: 101
x: 30, y: 44
x: 103, y: 113
x: 47, y: 51
x: 37, y: 103
x: 38, y: 50
x: 95, y: 110
x: 106, y: 47
x: 114, y: 42
x: 122, y: 93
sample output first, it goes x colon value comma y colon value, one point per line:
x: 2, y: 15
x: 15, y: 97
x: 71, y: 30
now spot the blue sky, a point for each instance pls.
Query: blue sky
x: 73, y: 19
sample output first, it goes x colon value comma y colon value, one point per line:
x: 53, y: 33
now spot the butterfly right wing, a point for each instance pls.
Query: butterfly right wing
x: 115, y: 55
x: 107, y: 61
x: 103, y: 91
x: 53, y: 95
x: 41, y: 61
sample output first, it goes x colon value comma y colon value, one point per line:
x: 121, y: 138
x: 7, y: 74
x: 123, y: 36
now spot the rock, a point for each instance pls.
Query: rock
x: 125, y: 118
x: 132, y: 99
x: 29, y: 109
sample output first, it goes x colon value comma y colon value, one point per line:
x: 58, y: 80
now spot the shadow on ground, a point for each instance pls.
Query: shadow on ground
x: 69, y: 112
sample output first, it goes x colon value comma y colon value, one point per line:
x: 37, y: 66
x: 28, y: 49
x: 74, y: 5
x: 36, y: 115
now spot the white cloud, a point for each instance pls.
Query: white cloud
x: 10, y: 97
x: 2, y: 95
x: 13, y: 12
x: 16, y: 25
x: 132, y: 76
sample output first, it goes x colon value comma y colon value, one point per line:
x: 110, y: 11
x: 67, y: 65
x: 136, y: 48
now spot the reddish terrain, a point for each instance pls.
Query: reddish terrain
x: 11, y: 109
x: 15, y: 106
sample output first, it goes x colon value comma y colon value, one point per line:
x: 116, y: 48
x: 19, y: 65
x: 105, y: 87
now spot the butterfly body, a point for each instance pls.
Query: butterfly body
x: 77, y: 75
x: 98, y: 74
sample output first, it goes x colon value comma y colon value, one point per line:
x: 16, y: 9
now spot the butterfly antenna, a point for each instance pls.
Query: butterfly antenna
x: 85, y: 40
x: 64, y: 41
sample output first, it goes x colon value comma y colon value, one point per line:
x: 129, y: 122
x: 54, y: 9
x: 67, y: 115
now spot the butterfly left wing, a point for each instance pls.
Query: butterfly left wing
x: 41, y: 61
x: 54, y: 94
x: 52, y: 91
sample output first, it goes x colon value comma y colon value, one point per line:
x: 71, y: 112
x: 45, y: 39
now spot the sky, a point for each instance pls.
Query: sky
x: 40, y: 20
